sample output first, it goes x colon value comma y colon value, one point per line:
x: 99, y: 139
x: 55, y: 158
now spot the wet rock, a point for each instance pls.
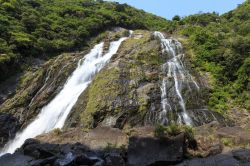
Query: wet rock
x: 9, y: 125
x: 43, y: 162
x: 123, y: 92
x: 38, y: 86
x: 127, y: 92
x: 114, y: 159
x: 242, y: 155
x: 152, y: 151
x: 15, y: 160
x: 68, y: 159
x: 36, y: 150
x: 205, y: 116
x: 8, y: 87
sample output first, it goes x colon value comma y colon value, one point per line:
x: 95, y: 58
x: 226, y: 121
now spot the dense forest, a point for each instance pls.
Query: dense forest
x: 220, y: 45
x: 43, y: 28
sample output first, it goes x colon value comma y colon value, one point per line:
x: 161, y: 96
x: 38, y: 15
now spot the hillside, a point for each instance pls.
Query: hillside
x: 220, y: 46
x: 86, y: 82
x: 45, y: 28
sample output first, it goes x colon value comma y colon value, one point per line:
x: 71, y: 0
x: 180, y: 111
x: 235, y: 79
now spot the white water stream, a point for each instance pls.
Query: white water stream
x: 55, y: 113
x: 175, y: 72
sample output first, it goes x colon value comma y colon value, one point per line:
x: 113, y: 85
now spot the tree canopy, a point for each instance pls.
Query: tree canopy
x: 38, y: 28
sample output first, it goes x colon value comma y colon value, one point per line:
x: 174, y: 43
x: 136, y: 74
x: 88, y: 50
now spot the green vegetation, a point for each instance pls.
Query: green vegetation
x: 101, y: 94
x: 57, y: 131
x: 220, y: 46
x: 43, y: 28
x: 119, y: 83
x: 227, y: 141
x: 173, y: 130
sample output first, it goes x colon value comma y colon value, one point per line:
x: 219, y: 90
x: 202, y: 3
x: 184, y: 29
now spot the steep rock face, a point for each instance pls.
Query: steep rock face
x: 122, y: 92
x: 39, y: 85
x: 35, y: 90
x: 127, y: 92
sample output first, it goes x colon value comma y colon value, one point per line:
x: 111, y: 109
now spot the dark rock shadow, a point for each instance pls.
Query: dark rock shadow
x: 9, y: 125
x: 140, y: 151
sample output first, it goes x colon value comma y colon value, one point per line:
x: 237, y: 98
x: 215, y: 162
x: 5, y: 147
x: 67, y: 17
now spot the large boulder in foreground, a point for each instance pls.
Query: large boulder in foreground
x: 155, y: 151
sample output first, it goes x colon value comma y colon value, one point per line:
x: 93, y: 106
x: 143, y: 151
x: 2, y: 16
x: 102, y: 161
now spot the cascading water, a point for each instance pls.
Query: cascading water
x: 179, y: 76
x: 55, y: 113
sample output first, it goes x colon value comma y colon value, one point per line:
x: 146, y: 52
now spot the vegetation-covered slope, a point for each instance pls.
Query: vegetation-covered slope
x: 126, y: 94
x: 220, y: 46
x: 42, y: 28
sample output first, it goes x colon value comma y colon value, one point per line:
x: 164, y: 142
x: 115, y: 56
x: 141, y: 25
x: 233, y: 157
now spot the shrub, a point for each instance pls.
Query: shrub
x: 173, y: 130
x: 57, y: 131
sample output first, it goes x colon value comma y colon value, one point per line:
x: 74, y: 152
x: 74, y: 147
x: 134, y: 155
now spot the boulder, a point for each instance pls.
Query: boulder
x: 114, y: 158
x: 152, y: 151
x: 37, y: 150
x: 242, y: 155
x: 34, y: 153
x: 205, y: 116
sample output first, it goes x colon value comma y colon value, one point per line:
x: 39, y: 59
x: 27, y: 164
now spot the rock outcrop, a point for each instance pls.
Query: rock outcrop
x: 107, y: 124
x: 36, y: 89
x: 138, y: 147
x: 9, y: 125
x: 155, y: 151
x: 127, y: 92
x: 39, y: 85
x: 103, y: 147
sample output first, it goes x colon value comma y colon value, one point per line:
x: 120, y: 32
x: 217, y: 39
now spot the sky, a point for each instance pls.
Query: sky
x: 170, y: 8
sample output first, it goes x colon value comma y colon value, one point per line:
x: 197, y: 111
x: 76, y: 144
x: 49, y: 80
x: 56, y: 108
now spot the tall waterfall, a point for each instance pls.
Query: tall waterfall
x: 176, y: 74
x: 55, y: 113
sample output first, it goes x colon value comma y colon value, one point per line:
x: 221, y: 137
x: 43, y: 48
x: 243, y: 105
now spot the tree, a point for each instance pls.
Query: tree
x: 176, y: 18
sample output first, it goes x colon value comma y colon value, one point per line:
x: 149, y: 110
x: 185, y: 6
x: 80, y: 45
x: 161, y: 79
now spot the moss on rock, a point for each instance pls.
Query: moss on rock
x: 121, y: 93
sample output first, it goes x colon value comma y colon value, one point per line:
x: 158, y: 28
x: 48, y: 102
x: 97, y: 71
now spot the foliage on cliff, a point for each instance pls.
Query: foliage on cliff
x: 220, y: 45
x: 42, y: 28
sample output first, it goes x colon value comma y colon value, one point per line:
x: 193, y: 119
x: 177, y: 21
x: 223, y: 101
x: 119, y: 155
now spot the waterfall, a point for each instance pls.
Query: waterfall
x: 55, y: 113
x: 177, y: 74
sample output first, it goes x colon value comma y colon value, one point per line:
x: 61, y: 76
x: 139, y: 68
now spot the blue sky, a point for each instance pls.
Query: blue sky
x: 170, y: 8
